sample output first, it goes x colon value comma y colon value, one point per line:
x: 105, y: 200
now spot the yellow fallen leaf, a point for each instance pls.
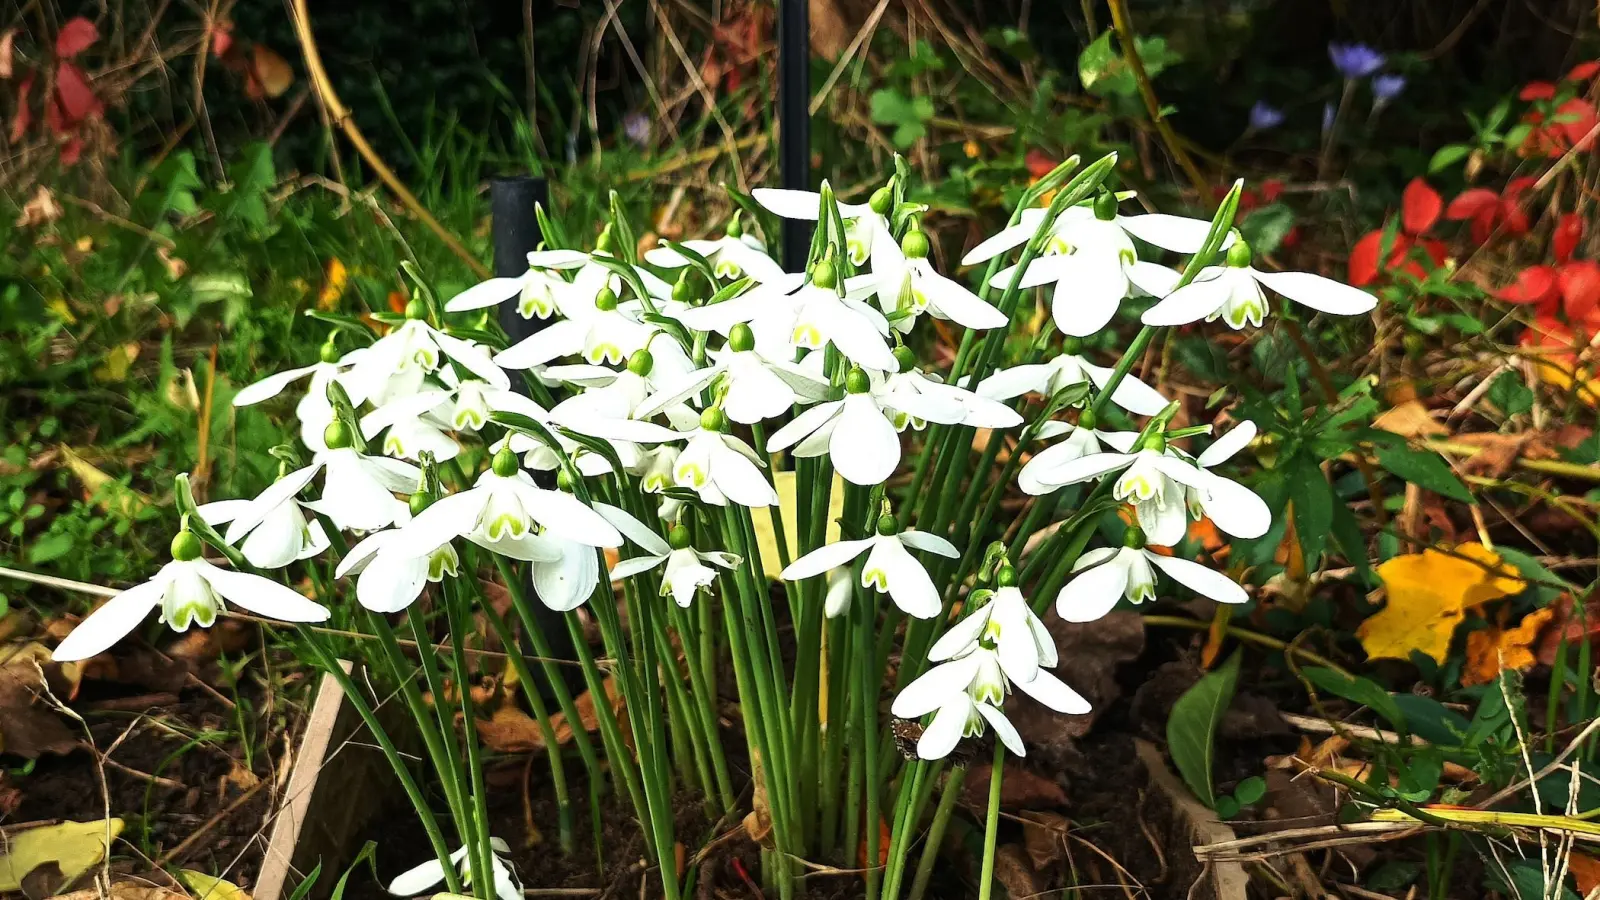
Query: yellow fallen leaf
x: 1428, y: 596
x: 74, y: 847
x: 766, y: 535
x: 1493, y: 650
x: 1409, y: 419
x: 334, y: 280
x: 210, y: 887
x: 111, y: 495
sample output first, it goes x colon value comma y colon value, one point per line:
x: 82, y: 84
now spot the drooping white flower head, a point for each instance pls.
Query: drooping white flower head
x: 908, y: 286
x: 273, y: 526
x: 1232, y: 292
x: 1041, y: 474
x: 396, y: 583
x: 753, y: 386
x: 314, y: 412
x: 857, y: 433
x: 604, y: 332
x: 1007, y: 623
x: 736, y: 254
x: 1110, y: 574
x: 890, y: 568
x: 685, y: 572
x: 915, y: 397
x: 720, y: 467
x: 538, y: 292
x: 399, y: 363
x: 188, y: 591
x: 357, y: 490
x: 868, y: 234
x: 1066, y: 370
x: 426, y: 876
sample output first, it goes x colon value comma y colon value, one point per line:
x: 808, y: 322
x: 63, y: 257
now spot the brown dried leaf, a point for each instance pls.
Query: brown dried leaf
x: 1019, y: 788
x: 1090, y: 654
x: 28, y: 725
x: 41, y: 209
x: 1012, y: 869
x: 1044, y: 837
x: 1409, y: 419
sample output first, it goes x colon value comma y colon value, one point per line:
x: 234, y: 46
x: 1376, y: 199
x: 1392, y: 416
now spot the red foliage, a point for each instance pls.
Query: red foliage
x: 1584, y: 71
x: 1420, y: 207
x: 1537, y: 90
x: 78, y: 35
x: 1568, y: 233
x: 76, y: 98
x: 1579, y: 284
x: 1534, y: 285
x: 1488, y: 210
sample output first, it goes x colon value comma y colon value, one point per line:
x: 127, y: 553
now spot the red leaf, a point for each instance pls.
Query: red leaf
x: 1248, y: 200
x: 1271, y: 189
x: 1580, y: 290
x: 1569, y: 231
x: 1483, y: 223
x: 1515, y: 220
x: 71, y: 150
x: 1469, y: 203
x: 1420, y: 206
x: 1535, y: 284
x: 1537, y: 90
x: 1517, y: 186
x: 78, y: 35
x: 1576, y: 118
x: 24, y: 115
x: 1364, y: 259
x: 1435, y: 249
x: 78, y: 101
x: 1584, y: 71
x: 1292, y: 238
x: 221, y: 40
x: 1039, y: 163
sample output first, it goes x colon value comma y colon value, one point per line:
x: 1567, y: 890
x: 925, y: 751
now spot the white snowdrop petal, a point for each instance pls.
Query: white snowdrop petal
x: 909, y: 584
x: 932, y: 543
x: 1093, y: 593
x: 1131, y: 394
x: 961, y: 635
x: 1003, y: 728
x: 946, y: 729
x: 1201, y: 579
x: 270, y: 386
x: 417, y: 880
x: 740, y: 479
x: 823, y: 558
x: 1153, y: 279
x: 392, y: 585
x: 221, y: 512
x: 1234, y: 508
x: 1318, y: 293
x: 563, y: 338
x: 953, y: 301
x: 443, y: 521
x: 365, y: 550
x: 484, y: 293
x: 802, y: 425
x: 934, y: 687
x: 1054, y: 693
x: 1010, y: 237
x: 864, y: 447
x: 261, y: 596
x: 475, y: 358
x: 627, y: 568
x: 113, y: 620
x: 789, y: 204
x: 1015, y: 381
x: 1225, y: 446
x: 1190, y: 303
x: 279, y: 492
x: 1179, y: 234
x: 564, y: 585
x: 633, y: 529
x: 565, y: 516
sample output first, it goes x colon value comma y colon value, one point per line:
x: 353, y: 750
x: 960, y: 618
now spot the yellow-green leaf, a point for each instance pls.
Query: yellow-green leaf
x: 75, y: 848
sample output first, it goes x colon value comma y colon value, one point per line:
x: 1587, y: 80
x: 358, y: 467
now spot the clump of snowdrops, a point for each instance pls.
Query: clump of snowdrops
x: 667, y: 405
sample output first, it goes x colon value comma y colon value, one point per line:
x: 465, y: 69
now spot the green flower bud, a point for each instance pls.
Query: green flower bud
x: 564, y: 480
x: 1133, y: 538
x: 1239, y: 254
x: 1072, y: 346
x: 641, y: 362
x: 683, y: 289
x: 419, y: 501
x: 603, y: 242
x: 416, y: 309
x: 1154, y: 441
x: 914, y: 245
x: 882, y: 200
x: 1086, y: 419
x: 857, y: 382
x: 824, y: 275
x: 329, y: 352
x: 606, y: 300
x: 678, y: 537
x: 1105, y: 206
x: 336, y: 435
x: 714, y: 419
x: 1005, y: 576
x: 505, y: 463
x: 741, y: 338
x: 887, y: 525
x: 185, y: 546
x: 905, y: 357
x: 735, y: 227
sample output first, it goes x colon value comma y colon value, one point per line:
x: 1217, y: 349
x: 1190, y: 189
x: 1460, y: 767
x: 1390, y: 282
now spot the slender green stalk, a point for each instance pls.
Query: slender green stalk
x: 941, y: 819
x: 704, y: 708
x: 427, y: 725
x: 480, y: 856
x: 868, y: 686
x: 991, y: 822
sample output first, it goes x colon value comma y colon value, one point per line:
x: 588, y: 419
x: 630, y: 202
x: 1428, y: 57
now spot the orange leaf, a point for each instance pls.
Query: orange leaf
x: 271, y: 71
x: 1585, y: 872
x: 1493, y: 650
x: 1428, y: 596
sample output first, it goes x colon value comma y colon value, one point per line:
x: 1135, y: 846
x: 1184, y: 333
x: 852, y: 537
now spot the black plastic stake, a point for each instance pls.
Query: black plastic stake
x: 794, y: 120
x: 515, y: 233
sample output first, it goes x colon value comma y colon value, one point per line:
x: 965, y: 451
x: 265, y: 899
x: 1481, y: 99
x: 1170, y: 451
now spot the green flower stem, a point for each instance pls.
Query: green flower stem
x: 831, y: 735
x: 991, y: 822
x: 451, y: 770
x: 941, y: 819
x: 552, y: 673
x: 430, y: 823
x: 480, y: 857
x: 906, y: 812
x: 869, y: 683
x: 688, y: 742
x: 705, y: 708
x: 541, y: 719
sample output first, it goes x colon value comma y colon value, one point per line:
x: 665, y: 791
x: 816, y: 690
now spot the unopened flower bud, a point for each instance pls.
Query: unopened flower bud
x: 504, y: 463
x: 1239, y: 254
x: 678, y: 537
x: 1005, y: 576
x: 882, y: 200
x: 714, y: 419
x: 641, y: 362
x: 603, y: 242
x: 416, y: 309
x: 683, y: 289
x: 857, y: 382
x: 741, y: 338
x: 905, y: 357
x: 185, y: 546
x: 914, y: 245
x: 1105, y: 206
x: 1133, y: 538
x: 735, y: 227
x: 887, y: 525
x: 606, y: 300
x: 419, y: 501
x: 823, y: 274
x: 336, y: 435
x: 329, y: 353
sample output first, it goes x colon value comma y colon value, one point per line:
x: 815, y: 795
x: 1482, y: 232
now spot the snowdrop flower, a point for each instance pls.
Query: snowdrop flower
x: 314, y: 412
x: 1110, y: 574
x: 398, y: 581
x: 1355, y: 60
x: 867, y: 230
x: 273, y: 526
x: 1264, y: 116
x: 603, y: 334
x: 619, y: 394
x: 1091, y: 260
x: 916, y: 397
x: 358, y: 491
x: 1008, y: 624
x: 1156, y: 484
x: 967, y: 692
x: 412, y: 429
x: 506, y: 513
x: 890, y: 568
x: 592, y: 277
x: 855, y: 432
x: 1176, y: 233
x: 187, y: 590
x: 1233, y: 294
x: 734, y: 255
x: 1204, y: 502
x: 685, y: 570
x: 720, y: 467
x: 1066, y: 370
x: 424, y: 877
x: 1041, y: 473
x: 399, y: 361
x: 754, y: 387
x: 537, y: 291
x: 908, y: 286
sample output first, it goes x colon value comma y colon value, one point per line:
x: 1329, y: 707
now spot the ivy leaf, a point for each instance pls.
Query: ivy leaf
x: 1192, y: 727
x: 909, y: 115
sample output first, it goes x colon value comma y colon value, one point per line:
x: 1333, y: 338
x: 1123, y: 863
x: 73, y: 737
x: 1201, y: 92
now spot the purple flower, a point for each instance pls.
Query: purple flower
x: 1264, y: 116
x: 636, y: 127
x: 1387, y: 87
x: 1355, y: 60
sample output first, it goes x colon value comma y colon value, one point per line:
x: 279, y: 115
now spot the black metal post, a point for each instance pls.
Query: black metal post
x: 794, y: 120
x: 515, y: 232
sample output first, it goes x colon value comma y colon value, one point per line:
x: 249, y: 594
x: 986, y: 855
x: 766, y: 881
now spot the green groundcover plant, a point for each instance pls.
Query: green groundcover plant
x: 650, y: 417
